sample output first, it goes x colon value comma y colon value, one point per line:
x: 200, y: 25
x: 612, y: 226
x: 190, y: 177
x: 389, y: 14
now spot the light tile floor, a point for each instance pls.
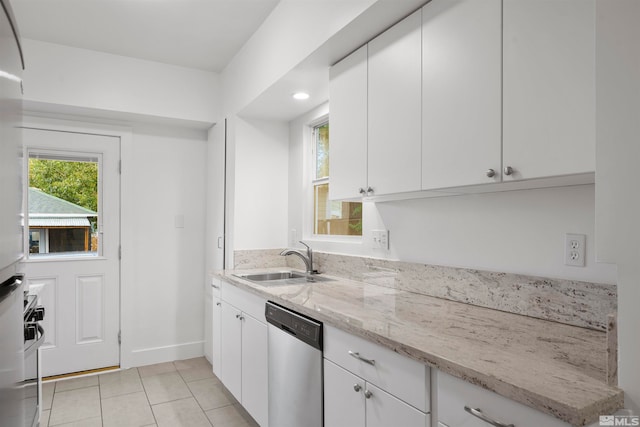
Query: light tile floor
x: 174, y: 394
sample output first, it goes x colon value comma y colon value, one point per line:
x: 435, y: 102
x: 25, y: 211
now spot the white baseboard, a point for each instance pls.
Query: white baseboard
x: 150, y: 356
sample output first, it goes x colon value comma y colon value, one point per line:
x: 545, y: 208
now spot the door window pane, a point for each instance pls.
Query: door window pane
x: 63, y: 205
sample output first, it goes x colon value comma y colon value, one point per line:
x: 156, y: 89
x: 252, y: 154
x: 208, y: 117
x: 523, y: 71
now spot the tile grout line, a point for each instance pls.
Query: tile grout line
x: 153, y: 414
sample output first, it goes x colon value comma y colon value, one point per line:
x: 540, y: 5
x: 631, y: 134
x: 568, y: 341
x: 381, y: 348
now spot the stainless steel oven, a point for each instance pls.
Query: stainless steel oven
x: 33, y: 339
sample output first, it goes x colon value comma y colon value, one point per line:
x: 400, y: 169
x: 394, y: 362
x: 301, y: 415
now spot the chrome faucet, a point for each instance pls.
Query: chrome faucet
x: 307, y: 258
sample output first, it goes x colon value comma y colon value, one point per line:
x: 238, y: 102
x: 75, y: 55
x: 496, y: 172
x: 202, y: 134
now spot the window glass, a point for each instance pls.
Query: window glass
x: 331, y: 217
x: 321, y: 134
x: 63, y: 205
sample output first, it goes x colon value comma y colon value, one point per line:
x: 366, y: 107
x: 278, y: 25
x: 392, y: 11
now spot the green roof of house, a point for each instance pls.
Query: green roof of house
x: 41, y: 203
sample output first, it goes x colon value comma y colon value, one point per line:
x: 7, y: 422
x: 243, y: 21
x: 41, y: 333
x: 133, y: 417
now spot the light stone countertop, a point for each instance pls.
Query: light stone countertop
x: 552, y: 367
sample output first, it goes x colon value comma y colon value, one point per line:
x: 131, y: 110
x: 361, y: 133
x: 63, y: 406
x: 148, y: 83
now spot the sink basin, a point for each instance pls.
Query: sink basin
x: 282, y: 278
x: 262, y: 277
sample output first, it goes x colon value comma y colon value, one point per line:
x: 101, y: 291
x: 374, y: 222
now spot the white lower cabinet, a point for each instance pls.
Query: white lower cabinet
x: 369, y: 385
x: 216, y: 327
x: 454, y: 394
x: 243, y: 344
x: 344, y: 400
x: 350, y: 401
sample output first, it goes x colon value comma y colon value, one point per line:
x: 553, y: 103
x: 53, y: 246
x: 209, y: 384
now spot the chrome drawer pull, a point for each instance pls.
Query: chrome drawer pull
x: 357, y: 356
x: 478, y: 414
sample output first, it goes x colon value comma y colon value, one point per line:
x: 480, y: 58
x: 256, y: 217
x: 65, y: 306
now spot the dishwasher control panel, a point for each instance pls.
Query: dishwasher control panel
x: 295, y: 324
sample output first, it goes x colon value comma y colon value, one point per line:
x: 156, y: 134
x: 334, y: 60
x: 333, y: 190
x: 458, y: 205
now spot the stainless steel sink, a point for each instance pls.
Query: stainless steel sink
x: 261, y: 277
x: 282, y: 278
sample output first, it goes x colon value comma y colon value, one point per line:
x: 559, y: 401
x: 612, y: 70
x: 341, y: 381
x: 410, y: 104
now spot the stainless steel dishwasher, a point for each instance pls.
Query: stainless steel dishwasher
x: 295, y: 368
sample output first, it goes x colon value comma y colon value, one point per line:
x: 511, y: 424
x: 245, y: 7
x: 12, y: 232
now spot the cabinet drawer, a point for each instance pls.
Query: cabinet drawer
x: 247, y: 302
x: 454, y: 394
x: 404, y: 378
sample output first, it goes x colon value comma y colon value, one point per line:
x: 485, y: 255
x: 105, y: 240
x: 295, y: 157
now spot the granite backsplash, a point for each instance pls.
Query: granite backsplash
x: 577, y: 303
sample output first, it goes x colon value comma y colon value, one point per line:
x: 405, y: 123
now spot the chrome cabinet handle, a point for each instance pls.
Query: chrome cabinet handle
x: 215, y: 286
x: 357, y: 387
x: 491, y: 173
x: 362, y: 191
x: 368, y: 394
x: 476, y: 412
x: 218, y: 304
x: 508, y: 170
x: 357, y: 356
x: 239, y: 316
x: 369, y: 190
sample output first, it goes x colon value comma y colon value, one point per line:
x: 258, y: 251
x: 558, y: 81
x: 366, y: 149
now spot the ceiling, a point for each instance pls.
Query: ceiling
x: 201, y: 34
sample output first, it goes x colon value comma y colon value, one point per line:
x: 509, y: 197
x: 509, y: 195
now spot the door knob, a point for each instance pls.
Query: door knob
x: 368, y: 394
x: 357, y: 387
x: 508, y: 170
x: 491, y: 173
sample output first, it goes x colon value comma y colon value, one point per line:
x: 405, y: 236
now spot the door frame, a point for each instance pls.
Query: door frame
x: 127, y: 303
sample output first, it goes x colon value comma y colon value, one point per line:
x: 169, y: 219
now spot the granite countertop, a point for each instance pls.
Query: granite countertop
x: 555, y: 368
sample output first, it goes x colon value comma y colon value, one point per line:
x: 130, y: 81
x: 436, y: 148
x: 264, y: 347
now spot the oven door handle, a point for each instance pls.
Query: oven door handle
x: 34, y: 346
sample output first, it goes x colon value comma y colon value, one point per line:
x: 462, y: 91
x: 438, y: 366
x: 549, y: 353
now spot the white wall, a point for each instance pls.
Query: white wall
x: 166, y: 318
x: 80, y: 78
x: 618, y: 151
x: 517, y: 231
x: 292, y: 31
x: 259, y: 190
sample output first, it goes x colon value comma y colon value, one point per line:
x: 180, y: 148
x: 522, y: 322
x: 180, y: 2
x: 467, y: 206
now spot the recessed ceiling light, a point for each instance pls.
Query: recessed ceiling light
x: 300, y: 96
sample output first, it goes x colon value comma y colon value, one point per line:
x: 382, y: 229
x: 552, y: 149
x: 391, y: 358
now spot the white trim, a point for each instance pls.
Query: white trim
x: 150, y: 356
x: 310, y: 182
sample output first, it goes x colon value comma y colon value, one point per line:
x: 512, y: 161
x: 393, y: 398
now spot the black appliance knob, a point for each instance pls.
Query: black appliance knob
x: 30, y: 331
x: 38, y: 314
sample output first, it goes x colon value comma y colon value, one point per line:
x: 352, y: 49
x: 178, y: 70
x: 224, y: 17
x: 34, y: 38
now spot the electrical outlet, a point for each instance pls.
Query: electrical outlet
x: 380, y: 239
x: 574, y: 249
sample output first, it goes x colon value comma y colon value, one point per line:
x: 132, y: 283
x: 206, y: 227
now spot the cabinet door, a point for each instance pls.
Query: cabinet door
x: 461, y: 92
x: 255, y: 369
x: 216, y: 331
x: 348, y: 126
x: 231, y: 345
x: 343, y: 397
x: 394, y: 117
x: 384, y: 410
x: 549, y: 87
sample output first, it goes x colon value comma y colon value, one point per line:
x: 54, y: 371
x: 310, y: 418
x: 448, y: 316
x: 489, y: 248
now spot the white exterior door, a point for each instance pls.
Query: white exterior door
x: 80, y: 290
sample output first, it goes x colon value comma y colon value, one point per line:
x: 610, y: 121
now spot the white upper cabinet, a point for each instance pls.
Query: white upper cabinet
x: 394, y: 108
x: 549, y: 87
x: 468, y: 92
x: 461, y: 92
x: 348, y: 126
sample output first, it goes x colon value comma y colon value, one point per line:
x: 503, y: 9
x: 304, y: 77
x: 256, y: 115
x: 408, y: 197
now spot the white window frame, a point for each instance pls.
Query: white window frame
x: 311, y: 182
